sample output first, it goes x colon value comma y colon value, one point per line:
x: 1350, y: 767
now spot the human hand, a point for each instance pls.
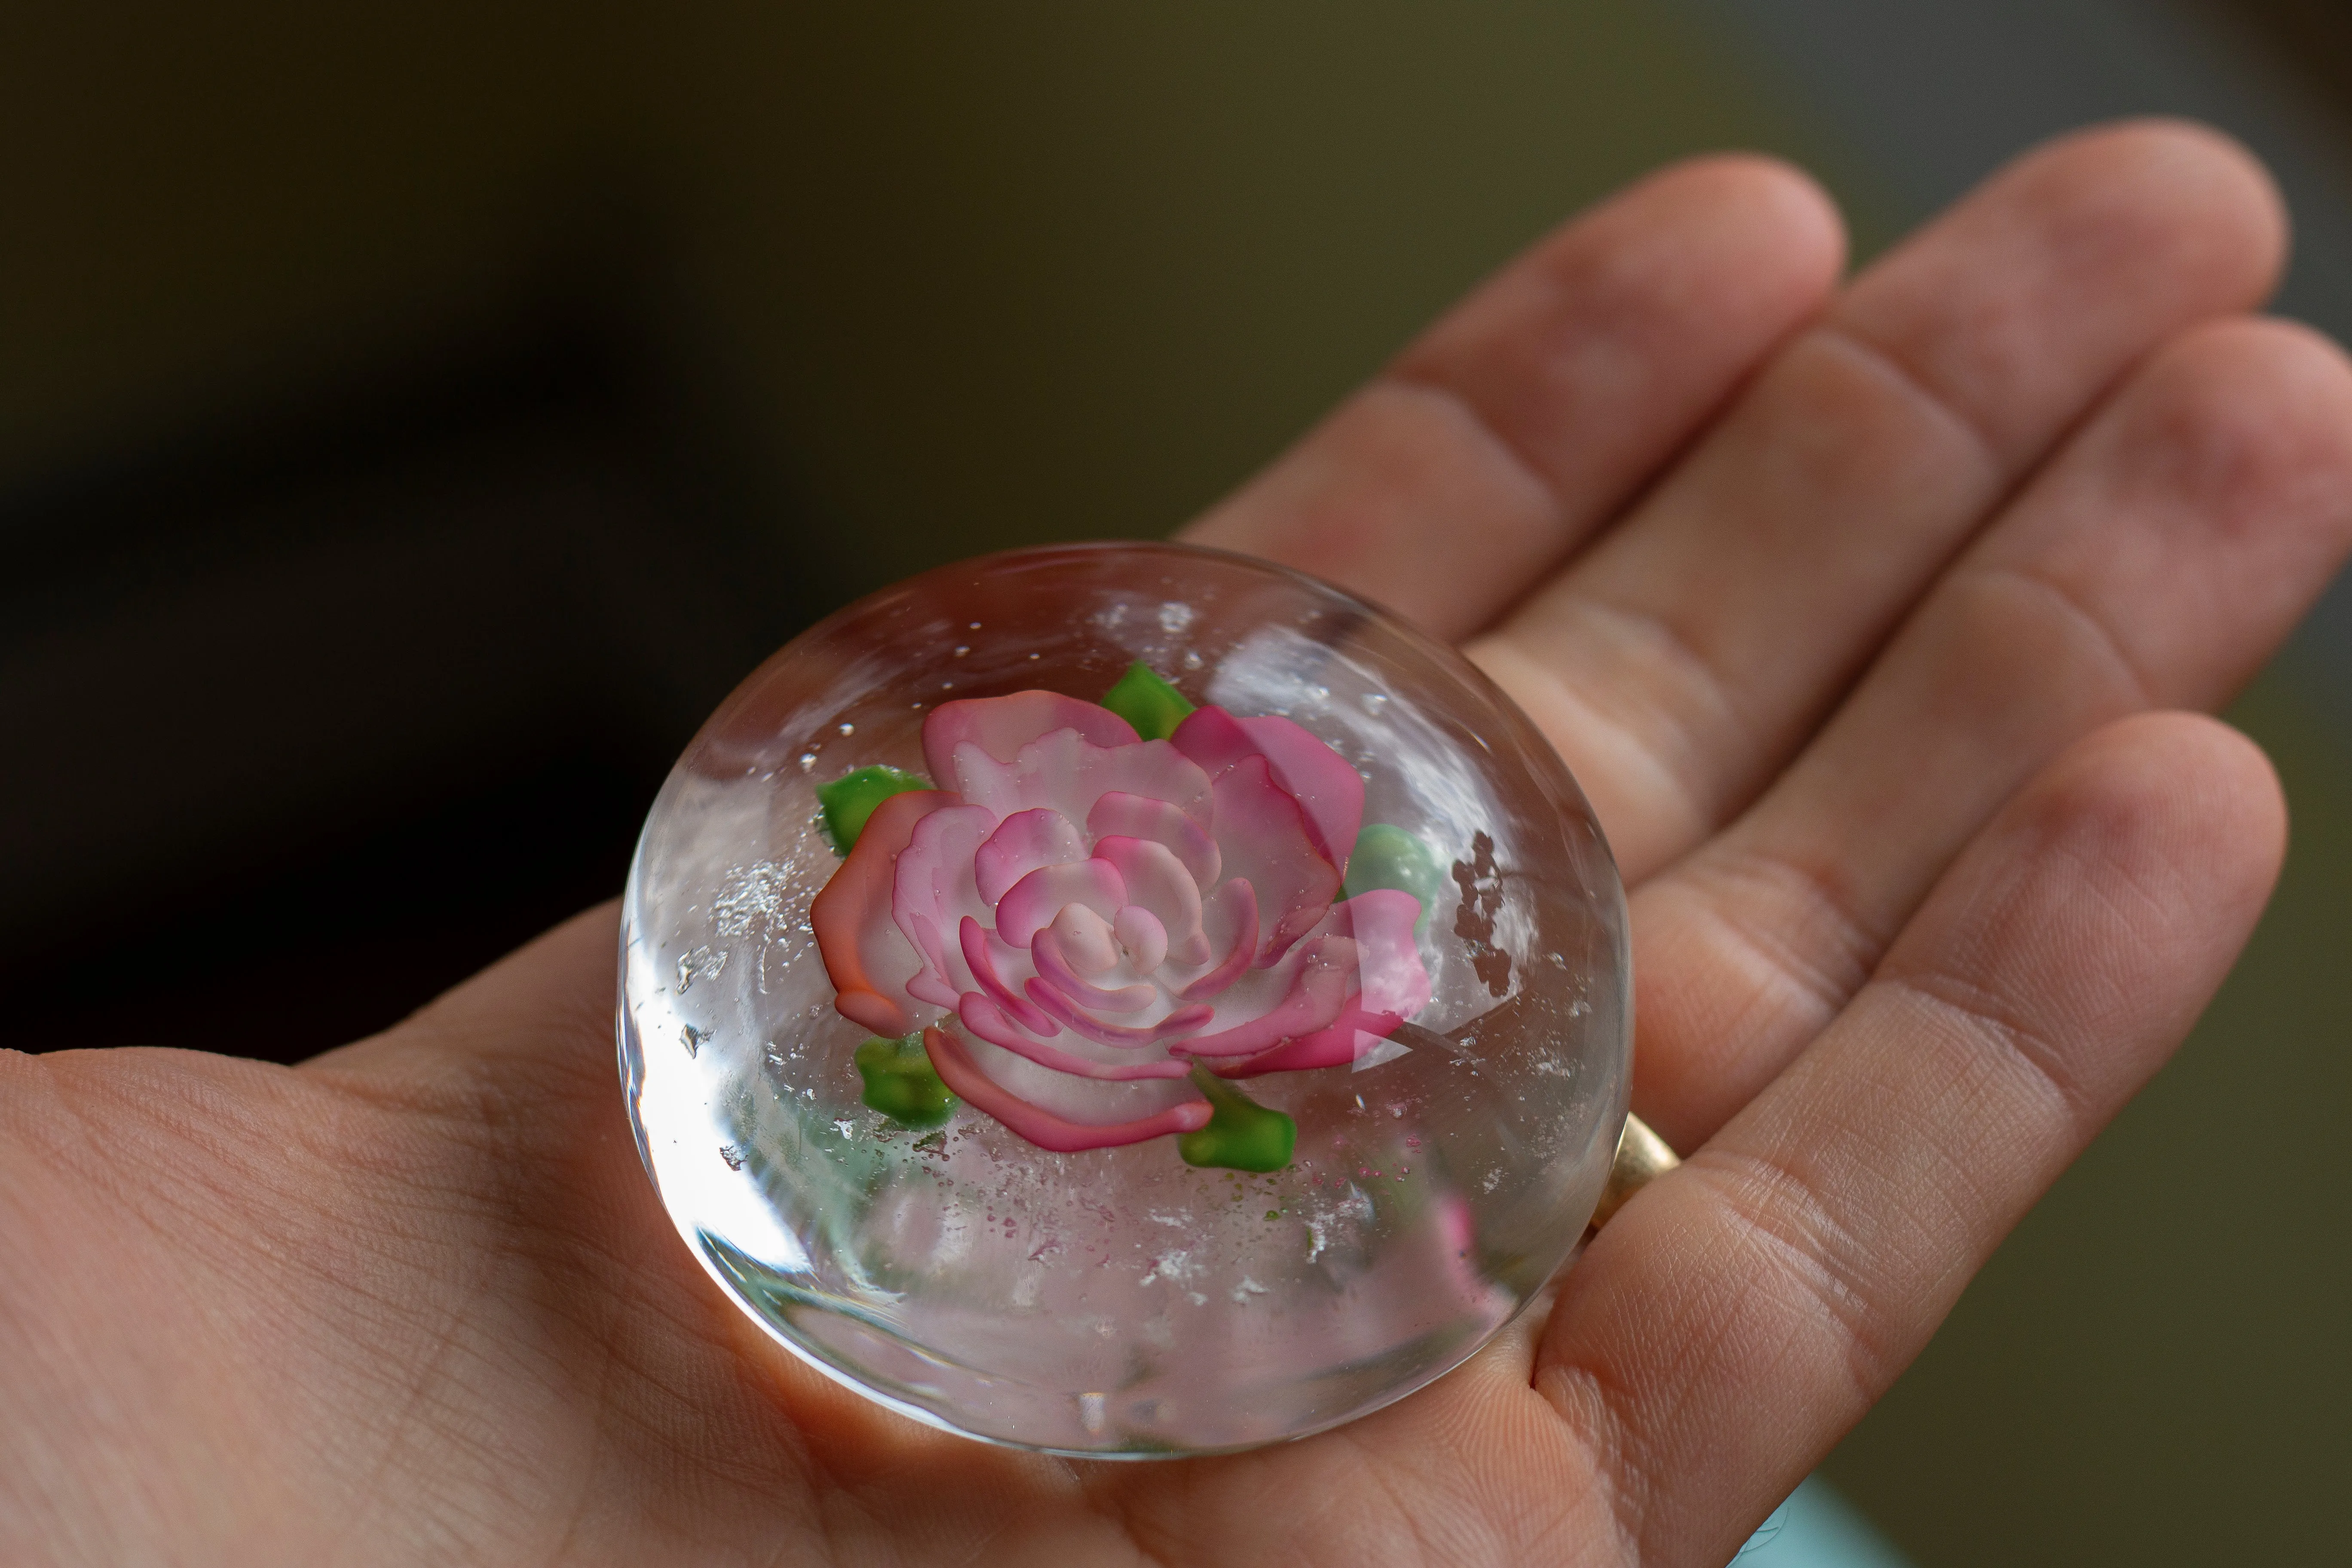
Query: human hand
x: 1849, y: 608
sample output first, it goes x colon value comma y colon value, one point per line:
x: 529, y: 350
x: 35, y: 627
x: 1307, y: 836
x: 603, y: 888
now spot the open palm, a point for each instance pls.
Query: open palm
x: 1850, y: 605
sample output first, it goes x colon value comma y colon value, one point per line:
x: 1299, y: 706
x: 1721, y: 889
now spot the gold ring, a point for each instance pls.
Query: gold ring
x: 1642, y: 1158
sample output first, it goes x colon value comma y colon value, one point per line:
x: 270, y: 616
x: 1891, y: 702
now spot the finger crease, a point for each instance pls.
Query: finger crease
x: 2072, y: 607
x: 1600, y: 1413
x: 1777, y: 1206
x: 1983, y: 1015
x: 1704, y: 703
x: 1921, y: 388
x: 1827, y: 950
x: 1506, y: 445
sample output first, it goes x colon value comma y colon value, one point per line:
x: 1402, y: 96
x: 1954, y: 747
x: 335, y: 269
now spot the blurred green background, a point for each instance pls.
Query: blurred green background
x: 413, y: 419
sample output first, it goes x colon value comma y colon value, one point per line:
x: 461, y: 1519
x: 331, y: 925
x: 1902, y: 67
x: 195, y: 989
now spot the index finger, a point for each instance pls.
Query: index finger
x: 1529, y: 414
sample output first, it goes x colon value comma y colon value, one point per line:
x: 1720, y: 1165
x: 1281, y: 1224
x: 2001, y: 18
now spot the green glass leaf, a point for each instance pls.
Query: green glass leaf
x: 901, y: 1083
x: 850, y: 799
x: 1147, y: 702
x: 1387, y: 856
x: 1242, y: 1134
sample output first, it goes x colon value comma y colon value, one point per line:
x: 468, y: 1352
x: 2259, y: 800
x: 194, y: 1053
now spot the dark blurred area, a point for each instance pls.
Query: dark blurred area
x: 413, y: 420
x: 322, y: 712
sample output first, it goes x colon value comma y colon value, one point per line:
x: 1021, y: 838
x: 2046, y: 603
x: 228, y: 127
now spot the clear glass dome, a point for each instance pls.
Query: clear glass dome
x: 1025, y: 1133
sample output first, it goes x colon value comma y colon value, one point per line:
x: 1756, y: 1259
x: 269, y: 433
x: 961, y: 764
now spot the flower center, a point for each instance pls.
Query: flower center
x: 1141, y: 937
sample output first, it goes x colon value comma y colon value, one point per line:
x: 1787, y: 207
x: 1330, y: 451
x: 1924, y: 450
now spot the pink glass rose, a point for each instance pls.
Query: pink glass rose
x: 1085, y: 917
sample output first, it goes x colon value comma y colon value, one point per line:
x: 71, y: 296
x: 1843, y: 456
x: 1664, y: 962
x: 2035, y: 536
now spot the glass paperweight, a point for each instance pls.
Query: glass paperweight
x: 1125, y: 1000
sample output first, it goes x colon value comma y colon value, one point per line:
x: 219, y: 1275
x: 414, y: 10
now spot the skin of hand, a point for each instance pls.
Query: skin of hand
x: 1870, y: 613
